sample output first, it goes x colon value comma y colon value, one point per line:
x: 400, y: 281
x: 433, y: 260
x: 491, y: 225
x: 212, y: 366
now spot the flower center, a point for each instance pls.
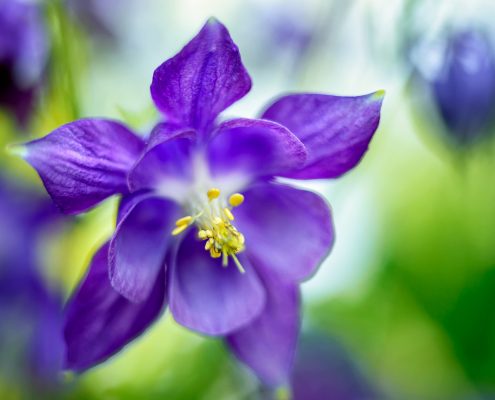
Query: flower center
x: 214, y: 222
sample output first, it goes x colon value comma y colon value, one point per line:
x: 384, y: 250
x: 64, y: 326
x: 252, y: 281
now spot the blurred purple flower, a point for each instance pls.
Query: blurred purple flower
x: 464, y: 86
x: 324, y: 370
x: 23, y: 55
x: 31, y: 342
x: 180, y: 190
x: 288, y: 31
x: 95, y: 15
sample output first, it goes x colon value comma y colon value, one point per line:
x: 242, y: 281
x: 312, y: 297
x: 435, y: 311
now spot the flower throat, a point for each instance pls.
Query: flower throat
x: 214, y: 222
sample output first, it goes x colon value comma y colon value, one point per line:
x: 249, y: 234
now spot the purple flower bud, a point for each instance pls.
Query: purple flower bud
x: 464, y: 86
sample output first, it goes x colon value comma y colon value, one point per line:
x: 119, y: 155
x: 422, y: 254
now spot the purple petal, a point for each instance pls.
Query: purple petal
x: 288, y: 231
x: 129, y: 201
x: 138, y: 247
x: 335, y: 130
x: 165, y: 131
x: 267, y: 345
x: 165, y: 165
x: 208, y: 298
x: 202, y: 80
x: 99, y: 322
x: 244, y: 149
x: 84, y: 162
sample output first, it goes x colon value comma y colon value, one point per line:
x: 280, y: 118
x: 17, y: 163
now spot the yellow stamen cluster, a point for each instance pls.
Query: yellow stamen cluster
x: 215, y: 227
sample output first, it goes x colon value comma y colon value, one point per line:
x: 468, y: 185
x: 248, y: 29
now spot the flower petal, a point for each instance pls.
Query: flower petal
x: 165, y: 131
x: 288, y: 231
x: 84, y: 162
x: 244, y: 149
x: 99, y: 322
x: 165, y: 165
x: 202, y: 80
x: 335, y: 130
x: 129, y: 201
x: 208, y: 298
x: 138, y: 247
x: 267, y: 345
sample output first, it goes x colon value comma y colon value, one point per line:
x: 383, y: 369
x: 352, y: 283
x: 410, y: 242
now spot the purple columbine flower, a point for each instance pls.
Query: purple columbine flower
x: 204, y: 227
x: 23, y: 55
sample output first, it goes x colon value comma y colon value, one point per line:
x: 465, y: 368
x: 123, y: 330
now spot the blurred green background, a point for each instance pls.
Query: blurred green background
x: 408, y: 293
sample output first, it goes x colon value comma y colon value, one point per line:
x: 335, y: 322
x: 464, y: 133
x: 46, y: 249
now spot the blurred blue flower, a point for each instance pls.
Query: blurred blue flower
x: 464, y: 86
x: 290, y: 31
x: 287, y: 35
x: 176, y: 234
x: 23, y: 55
x: 324, y: 370
x: 95, y: 15
x: 31, y: 341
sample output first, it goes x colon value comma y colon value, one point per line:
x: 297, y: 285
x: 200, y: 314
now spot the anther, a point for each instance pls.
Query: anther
x: 236, y: 199
x: 184, y: 220
x: 213, y: 194
x: 179, y: 230
x: 209, y: 244
x: 202, y: 234
x: 214, y: 253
